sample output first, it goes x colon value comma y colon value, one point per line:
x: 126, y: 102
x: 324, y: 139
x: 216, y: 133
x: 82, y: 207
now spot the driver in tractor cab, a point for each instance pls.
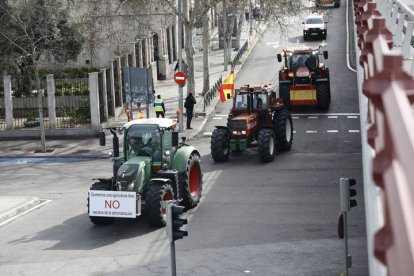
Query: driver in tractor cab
x: 136, y: 144
x: 155, y: 145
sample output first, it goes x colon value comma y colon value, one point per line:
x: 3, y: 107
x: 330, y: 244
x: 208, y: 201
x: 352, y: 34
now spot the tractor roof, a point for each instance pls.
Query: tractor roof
x: 161, y: 122
x: 303, y: 48
x: 256, y: 88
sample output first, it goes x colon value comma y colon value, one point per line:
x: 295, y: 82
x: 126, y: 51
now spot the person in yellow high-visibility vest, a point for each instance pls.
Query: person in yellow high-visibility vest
x: 159, y: 107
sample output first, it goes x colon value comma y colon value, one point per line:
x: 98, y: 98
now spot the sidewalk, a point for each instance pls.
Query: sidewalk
x: 168, y: 90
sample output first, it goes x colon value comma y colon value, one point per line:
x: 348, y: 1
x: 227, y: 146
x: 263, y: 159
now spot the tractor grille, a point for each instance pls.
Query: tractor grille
x: 238, y: 125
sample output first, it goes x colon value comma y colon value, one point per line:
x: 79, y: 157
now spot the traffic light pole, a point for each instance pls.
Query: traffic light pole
x: 173, y: 262
x: 347, y: 265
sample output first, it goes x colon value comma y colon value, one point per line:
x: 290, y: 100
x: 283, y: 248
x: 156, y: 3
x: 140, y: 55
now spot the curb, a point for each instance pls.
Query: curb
x: 19, y: 208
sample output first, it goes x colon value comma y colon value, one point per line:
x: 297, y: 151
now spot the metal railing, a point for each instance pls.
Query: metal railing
x: 209, y: 96
x: 239, y: 54
x: 388, y: 144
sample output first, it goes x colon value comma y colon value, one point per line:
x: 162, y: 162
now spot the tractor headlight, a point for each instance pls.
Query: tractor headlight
x: 130, y: 186
x: 243, y: 132
x: 291, y: 74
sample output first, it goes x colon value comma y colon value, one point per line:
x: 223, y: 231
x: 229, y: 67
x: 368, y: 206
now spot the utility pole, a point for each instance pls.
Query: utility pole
x: 180, y: 66
x: 225, y: 34
x: 250, y: 18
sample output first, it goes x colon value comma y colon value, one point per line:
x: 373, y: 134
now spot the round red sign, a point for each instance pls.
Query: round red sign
x: 180, y: 78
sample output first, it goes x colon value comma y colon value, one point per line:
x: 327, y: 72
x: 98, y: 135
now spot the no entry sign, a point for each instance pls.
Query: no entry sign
x: 180, y: 78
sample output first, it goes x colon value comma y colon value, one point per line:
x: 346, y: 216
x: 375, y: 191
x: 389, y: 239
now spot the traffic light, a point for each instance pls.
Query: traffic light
x: 347, y: 194
x: 174, y: 222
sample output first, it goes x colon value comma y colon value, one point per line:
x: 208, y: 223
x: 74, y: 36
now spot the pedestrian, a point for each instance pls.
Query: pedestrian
x: 189, y: 103
x: 184, y: 67
x: 159, y: 107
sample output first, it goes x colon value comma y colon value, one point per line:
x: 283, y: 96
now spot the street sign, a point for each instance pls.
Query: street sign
x: 112, y: 204
x: 180, y: 78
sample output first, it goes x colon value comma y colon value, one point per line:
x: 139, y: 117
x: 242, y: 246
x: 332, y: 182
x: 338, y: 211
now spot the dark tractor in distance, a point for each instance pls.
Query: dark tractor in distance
x: 304, y: 80
x: 257, y: 116
x: 153, y: 169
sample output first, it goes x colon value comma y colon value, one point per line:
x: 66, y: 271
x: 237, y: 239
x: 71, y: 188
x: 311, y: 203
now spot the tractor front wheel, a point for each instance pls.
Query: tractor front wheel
x: 323, y: 95
x: 266, y: 145
x: 100, y: 186
x: 282, y: 123
x: 284, y: 93
x: 220, y: 147
x: 191, y: 185
x: 156, y: 203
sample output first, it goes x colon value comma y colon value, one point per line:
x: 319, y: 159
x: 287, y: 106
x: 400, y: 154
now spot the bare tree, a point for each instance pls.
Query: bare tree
x: 37, y: 30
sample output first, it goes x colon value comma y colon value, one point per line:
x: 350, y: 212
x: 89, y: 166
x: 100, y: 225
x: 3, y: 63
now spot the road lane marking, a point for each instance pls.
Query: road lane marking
x: 295, y: 117
x: 208, y: 133
x: 221, y: 115
x: 352, y: 117
x: 217, y: 118
x: 46, y: 201
x: 327, y: 114
x: 313, y: 117
x: 353, y: 131
x: 332, y: 117
x: 312, y: 131
x: 332, y: 131
x: 294, y: 131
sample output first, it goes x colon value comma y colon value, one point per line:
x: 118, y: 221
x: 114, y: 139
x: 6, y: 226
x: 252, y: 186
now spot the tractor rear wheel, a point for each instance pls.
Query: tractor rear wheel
x: 323, y: 95
x: 191, y: 185
x: 282, y: 123
x: 220, y: 148
x: 284, y: 93
x: 156, y: 203
x: 100, y: 186
x: 266, y: 145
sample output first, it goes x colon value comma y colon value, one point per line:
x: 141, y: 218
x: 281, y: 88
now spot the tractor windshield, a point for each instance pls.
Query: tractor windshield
x: 298, y: 60
x: 143, y: 140
x: 259, y: 100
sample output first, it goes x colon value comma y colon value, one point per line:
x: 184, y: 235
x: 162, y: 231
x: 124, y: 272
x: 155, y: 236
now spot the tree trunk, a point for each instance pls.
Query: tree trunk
x: 40, y: 105
x: 188, y: 47
x: 239, y: 30
x: 206, y: 45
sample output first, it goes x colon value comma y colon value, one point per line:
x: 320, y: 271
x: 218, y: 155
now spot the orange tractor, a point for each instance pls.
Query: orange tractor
x: 257, y: 116
x: 304, y: 80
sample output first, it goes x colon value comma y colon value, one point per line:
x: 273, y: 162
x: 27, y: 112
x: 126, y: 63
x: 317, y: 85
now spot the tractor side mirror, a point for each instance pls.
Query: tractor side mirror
x: 325, y: 54
x: 101, y: 136
x: 274, y: 94
x: 279, y: 57
x: 175, y: 139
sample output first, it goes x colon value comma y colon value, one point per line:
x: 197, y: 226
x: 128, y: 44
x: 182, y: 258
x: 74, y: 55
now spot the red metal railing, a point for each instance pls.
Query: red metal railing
x: 390, y: 93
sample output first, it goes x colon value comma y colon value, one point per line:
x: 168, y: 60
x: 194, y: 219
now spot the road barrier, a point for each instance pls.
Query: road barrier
x: 211, y: 93
x: 389, y: 145
x: 239, y: 54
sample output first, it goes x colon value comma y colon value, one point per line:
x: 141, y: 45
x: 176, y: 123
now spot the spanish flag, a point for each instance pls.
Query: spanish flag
x: 227, y: 87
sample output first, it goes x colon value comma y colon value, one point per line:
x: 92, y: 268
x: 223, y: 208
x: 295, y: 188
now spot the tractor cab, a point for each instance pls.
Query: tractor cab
x: 154, y: 138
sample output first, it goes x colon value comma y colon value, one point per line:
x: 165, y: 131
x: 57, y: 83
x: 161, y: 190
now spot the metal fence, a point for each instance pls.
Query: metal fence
x: 65, y: 87
x: 26, y: 112
x: 235, y: 60
x: 73, y: 111
x: 208, y: 97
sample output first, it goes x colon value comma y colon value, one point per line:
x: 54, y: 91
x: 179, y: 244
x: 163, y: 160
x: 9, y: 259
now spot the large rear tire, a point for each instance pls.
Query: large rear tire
x: 284, y: 93
x: 323, y: 95
x: 100, y: 186
x: 156, y: 203
x: 220, y: 147
x: 283, y: 125
x: 192, y: 184
x: 266, y: 145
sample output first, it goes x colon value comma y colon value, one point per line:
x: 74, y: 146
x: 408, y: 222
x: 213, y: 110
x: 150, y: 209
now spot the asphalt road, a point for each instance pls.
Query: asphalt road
x: 256, y: 219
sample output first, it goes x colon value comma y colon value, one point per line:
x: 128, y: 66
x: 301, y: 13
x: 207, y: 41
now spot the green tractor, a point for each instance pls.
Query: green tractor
x: 153, y: 169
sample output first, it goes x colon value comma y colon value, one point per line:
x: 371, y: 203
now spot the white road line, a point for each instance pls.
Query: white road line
x: 332, y: 131
x: 25, y: 212
x: 218, y: 118
x: 353, y: 131
x: 327, y: 114
x: 352, y: 117
x: 208, y: 133
x: 311, y: 131
x: 295, y: 117
x: 313, y: 117
x: 294, y: 131
x: 221, y: 115
x: 332, y: 117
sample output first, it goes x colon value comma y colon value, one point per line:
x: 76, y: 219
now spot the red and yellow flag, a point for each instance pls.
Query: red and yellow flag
x: 140, y: 116
x: 227, y: 87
